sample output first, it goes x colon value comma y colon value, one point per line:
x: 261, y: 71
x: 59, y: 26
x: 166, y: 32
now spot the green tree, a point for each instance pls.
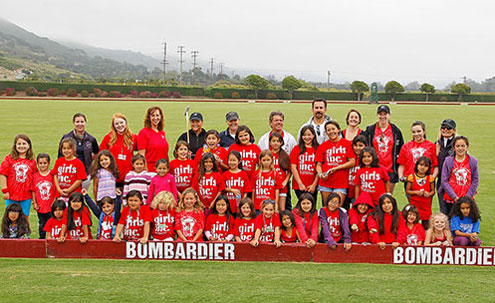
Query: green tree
x: 460, y: 89
x: 256, y: 83
x: 290, y: 83
x: 359, y: 87
x: 393, y: 88
x: 427, y: 89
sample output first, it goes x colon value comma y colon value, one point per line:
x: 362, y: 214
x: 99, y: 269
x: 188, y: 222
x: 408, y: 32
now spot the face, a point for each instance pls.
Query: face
x: 233, y: 124
x: 332, y: 132
x: 353, y: 119
x: 107, y: 208
x: 21, y: 146
x: 411, y: 217
x: 268, y: 210
x: 233, y: 162
x: 208, y: 165
x: 460, y: 147
x: 58, y: 213
x: 155, y: 118
x: 221, y: 206
x: 120, y: 125
x: 367, y: 158
x: 383, y: 117
x: 333, y: 204
x: 387, y: 206
x: 80, y: 124
x: 182, y: 152
x: 286, y: 221
x: 138, y: 165
x: 308, y: 137
x: 76, y: 204
x: 439, y: 224
x: 266, y: 162
x: 162, y: 206
x: 244, y: 137
x: 43, y: 164
x: 418, y: 133
x: 189, y: 200
x: 358, y: 147
x: 277, y: 123
x: 67, y: 150
x: 134, y: 202
x: 465, y: 209
x: 275, y: 144
x: 13, y: 216
x: 246, y: 210
x: 212, y: 141
x: 196, y: 125
x: 362, y: 208
x: 447, y: 131
x: 306, y: 205
x: 104, y: 161
x: 319, y: 110
x: 422, y: 167
x: 162, y: 169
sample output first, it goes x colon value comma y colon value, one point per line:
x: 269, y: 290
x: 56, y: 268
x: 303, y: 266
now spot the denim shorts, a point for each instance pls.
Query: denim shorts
x: 334, y: 190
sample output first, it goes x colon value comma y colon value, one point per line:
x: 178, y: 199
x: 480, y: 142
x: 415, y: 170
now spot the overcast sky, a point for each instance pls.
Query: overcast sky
x: 435, y: 41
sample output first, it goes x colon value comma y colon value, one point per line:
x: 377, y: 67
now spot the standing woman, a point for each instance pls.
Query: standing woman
x: 122, y: 143
x: 415, y: 149
x: 151, y: 141
x: 353, y: 120
x: 86, y: 145
x: 444, y: 149
x: 386, y: 139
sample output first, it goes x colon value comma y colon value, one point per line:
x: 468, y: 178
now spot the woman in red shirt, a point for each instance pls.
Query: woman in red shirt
x: 151, y: 141
x: 353, y: 120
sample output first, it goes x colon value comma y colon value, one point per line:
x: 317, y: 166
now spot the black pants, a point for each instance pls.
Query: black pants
x: 288, y: 204
x: 43, y: 218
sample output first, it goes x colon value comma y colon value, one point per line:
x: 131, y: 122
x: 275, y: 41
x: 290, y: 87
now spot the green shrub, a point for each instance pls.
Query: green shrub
x: 2, y: 92
x: 84, y: 93
x: 97, y: 92
x: 10, y: 92
x: 251, y: 96
x: 115, y: 94
x: 285, y: 96
x: 52, y: 92
x: 42, y: 94
x: 164, y: 94
x: 71, y: 92
x: 31, y: 91
x: 61, y: 92
x: 236, y: 95
x: 443, y: 99
x: 218, y: 95
x: 271, y: 96
x: 145, y: 94
x: 104, y: 94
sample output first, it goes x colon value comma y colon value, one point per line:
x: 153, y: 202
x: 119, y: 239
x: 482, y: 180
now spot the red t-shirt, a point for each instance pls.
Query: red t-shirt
x: 351, y: 190
x: 106, y: 228
x: 267, y: 226
x: 54, y: 227
x: 307, y: 226
x: 373, y: 181
x: 244, y: 229
x: 249, y: 156
x: 414, y: 235
x: 68, y: 172
x: 80, y: 219
x: 412, y: 151
x: 190, y: 222
x: 460, y: 178
x: 163, y: 224
x: 333, y: 154
x: 44, y: 191
x: 183, y: 171
x: 239, y: 181
x: 281, y: 173
x: 121, y: 152
x: 306, y: 165
x: 422, y: 203
x: 333, y: 220
x: 284, y: 237
x: 208, y: 187
x: 155, y: 144
x: 218, y: 227
x: 383, y: 143
x: 134, y: 220
x: 19, y: 175
x: 388, y: 237
x: 219, y: 152
x: 264, y: 186
x: 360, y: 219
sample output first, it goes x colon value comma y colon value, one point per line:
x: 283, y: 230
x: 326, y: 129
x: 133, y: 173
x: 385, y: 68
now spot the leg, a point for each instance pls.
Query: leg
x: 461, y: 241
x: 281, y: 203
x: 43, y: 218
x: 324, y: 196
x: 288, y: 202
x: 442, y: 205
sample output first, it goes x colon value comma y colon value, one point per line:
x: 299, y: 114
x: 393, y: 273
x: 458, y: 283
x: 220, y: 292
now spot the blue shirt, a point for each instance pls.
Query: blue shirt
x: 465, y: 225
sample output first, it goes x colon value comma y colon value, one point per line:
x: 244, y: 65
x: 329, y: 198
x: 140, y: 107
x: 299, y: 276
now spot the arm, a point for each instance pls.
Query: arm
x: 400, y: 172
x: 319, y: 171
x: 63, y: 231
x: 428, y: 238
x: 73, y: 187
x: 348, y: 164
x: 432, y: 190
x: 57, y: 186
x: 35, y: 204
x: 3, y: 183
x: 293, y: 168
x: 49, y: 235
x: 256, y: 239
x: 344, y: 223
x: 92, y: 205
x: 198, y: 235
x: 409, y: 190
x: 85, y: 236
x: 474, y: 178
x: 287, y: 178
x: 325, y: 230
x: 301, y: 232
x: 276, y: 239
x: 118, y: 232
x: 446, y: 170
x: 146, y: 233
x: 116, y: 209
x: 435, y: 172
x: 95, y: 187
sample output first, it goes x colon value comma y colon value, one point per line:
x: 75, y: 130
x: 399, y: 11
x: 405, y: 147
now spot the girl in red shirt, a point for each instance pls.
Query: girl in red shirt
x: 249, y: 151
x: 53, y: 226
x: 267, y: 225
x: 163, y: 217
x: 182, y: 168
x: 281, y: 163
x: 135, y: 220
x: 212, y: 141
x: 265, y: 181
x: 386, y: 225
x: 76, y: 220
x: 244, y: 223
x: 237, y: 184
x: 439, y: 232
x: 358, y: 144
x: 43, y: 192
x: 69, y: 172
x: 190, y: 218
x: 358, y: 217
x: 302, y: 163
x: 288, y: 232
x: 220, y: 223
x: 420, y: 189
x: 306, y: 219
x: 415, y: 231
x: 371, y: 177
x: 208, y: 182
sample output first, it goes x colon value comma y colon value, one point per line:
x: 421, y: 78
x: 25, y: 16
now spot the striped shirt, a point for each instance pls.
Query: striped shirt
x: 106, y: 184
x: 138, y: 181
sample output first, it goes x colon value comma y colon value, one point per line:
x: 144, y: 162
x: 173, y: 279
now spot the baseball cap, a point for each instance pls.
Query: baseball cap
x: 383, y: 108
x: 196, y: 116
x: 231, y: 116
x: 449, y: 122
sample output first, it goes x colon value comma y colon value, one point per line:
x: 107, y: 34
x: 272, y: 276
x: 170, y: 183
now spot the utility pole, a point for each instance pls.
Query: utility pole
x: 164, y: 61
x: 465, y: 79
x: 221, y: 68
x: 328, y: 79
x: 194, y: 55
x: 211, y: 67
x: 180, y: 51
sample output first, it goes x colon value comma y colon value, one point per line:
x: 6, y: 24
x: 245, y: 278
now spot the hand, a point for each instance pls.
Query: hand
x: 381, y: 245
x: 236, y: 191
x: 118, y: 191
x: 83, y: 240
x: 36, y: 207
x: 254, y: 243
x: 395, y: 245
x: 310, y: 243
x: 445, y: 243
x: 212, y: 238
x: 84, y: 191
x: 347, y: 246
x: 6, y: 196
x: 117, y: 239
x: 302, y: 187
x: 373, y: 230
x: 332, y: 247
x: 323, y: 176
x: 355, y: 228
x: 311, y: 188
x: 61, y: 239
x: 143, y: 240
x: 277, y: 243
x: 402, y: 179
x: 421, y: 193
x: 65, y: 192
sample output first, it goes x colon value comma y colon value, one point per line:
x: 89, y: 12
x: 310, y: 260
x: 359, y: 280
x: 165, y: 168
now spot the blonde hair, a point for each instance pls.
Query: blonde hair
x: 446, y: 230
x: 127, y: 133
x: 165, y: 197
x: 198, y: 206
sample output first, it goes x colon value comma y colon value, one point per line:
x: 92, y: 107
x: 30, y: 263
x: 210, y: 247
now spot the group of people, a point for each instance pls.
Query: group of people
x: 222, y: 186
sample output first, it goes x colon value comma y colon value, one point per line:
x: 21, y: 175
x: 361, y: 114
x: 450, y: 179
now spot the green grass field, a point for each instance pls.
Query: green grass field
x: 80, y: 280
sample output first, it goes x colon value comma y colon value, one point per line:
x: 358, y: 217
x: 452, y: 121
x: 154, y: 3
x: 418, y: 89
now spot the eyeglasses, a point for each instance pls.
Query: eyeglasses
x: 446, y: 127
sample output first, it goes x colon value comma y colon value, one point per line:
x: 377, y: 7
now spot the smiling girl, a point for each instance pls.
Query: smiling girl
x: 248, y: 150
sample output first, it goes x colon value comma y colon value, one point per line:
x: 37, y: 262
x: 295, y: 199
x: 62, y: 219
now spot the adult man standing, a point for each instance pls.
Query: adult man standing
x: 318, y: 120
x: 227, y: 136
x: 197, y: 135
x: 277, y: 124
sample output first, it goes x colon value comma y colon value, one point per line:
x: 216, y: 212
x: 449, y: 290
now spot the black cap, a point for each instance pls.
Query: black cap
x: 231, y: 116
x: 449, y: 122
x: 383, y: 108
x: 196, y: 116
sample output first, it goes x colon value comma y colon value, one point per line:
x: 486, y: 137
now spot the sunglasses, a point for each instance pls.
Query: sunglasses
x: 446, y: 127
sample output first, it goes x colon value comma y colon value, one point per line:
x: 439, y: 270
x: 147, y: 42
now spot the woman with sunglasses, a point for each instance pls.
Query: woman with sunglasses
x: 444, y: 149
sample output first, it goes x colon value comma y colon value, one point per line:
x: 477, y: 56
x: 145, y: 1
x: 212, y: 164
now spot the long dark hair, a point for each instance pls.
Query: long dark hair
x: 456, y: 209
x: 306, y: 196
x: 57, y: 204
x: 380, y: 215
x: 291, y: 217
x: 426, y: 161
x: 22, y: 223
x: 70, y: 217
x: 314, y: 142
x: 372, y: 152
x: 238, y: 156
x: 95, y: 166
x: 228, y: 212
x: 201, y: 169
x: 246, y: 129
x: 283, y: 157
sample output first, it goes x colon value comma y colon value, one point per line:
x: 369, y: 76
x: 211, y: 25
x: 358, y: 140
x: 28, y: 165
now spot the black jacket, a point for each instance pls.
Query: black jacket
x: 398, y: 141
x: 195, y: 141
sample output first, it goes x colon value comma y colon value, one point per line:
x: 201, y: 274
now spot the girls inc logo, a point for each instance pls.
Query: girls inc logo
x: 333, y: 155
x: 246, y: 232
x: 368, y: 180
x: 162, y: 223
x: 306, y: 162
x: 263, y: 185
x: 182, y: 174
